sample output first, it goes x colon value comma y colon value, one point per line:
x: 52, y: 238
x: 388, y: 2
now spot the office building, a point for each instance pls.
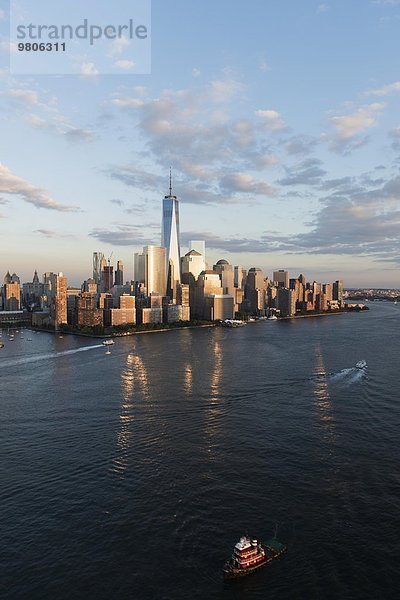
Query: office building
x: 58, y: 300
x: 119, y: 273
x: 170, y: 241
x: 281, y: 278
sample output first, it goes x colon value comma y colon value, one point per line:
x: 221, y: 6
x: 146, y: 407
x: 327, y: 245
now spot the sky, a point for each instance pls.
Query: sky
x: 280, y: 120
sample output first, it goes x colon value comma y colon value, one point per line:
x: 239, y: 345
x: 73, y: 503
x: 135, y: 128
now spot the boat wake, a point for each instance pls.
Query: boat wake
x: 48, y: 356
x: 350, y: 375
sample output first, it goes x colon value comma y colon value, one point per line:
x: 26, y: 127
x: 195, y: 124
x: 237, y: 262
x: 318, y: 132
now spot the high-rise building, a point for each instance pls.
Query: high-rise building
x: 225, y: 271
x: 11, y: 292
x: 98, y: 258
x: 58, y: 304
x: 119, y: 273
x: 108, y: 278
x: 338, y: 290
x: 170, y: 241
x: 286, y: 302
x: 154, y: 269
x: 281, y: 278
x: 192, y: 265
x: 138, y: 268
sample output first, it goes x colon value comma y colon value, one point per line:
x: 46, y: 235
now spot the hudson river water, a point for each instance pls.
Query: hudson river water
x: 132, y: 475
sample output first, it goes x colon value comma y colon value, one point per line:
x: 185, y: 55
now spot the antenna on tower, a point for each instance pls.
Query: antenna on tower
x: 170, y: 181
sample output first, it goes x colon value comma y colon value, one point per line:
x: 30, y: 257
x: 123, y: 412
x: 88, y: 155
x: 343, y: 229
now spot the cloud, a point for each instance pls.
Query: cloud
x: 123, y: 235
x: 196, y: 72
x: 395, y: 133
x: 301, y: 144
x: 224, y: 90
x: 79, y: 135
x: 307, y: 172
x: 386, y: 89
x: 49, y: 233
x: 2, y: 14
x: 243, y: 183
x: 12, y: 184
x: 28, y: 97
x: 129, y: 103
x: 119, y: 45
x: 271, y: 119
x: 348, y: 126
x: 117, y: 202
x: 124, y: 65
x: 321, y: 8
x: 88, y: 69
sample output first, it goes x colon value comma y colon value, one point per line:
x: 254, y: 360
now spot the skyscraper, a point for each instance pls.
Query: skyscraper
x: 97, y: 266
x: 119, y: 273
x: 281, y: 278
x: 149, y: 269
x: 170, y: 241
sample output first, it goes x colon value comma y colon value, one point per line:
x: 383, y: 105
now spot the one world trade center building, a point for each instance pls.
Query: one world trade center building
x: 170, y: 241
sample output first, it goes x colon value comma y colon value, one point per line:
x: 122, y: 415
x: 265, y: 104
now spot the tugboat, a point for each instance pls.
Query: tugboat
x: 249, y: 554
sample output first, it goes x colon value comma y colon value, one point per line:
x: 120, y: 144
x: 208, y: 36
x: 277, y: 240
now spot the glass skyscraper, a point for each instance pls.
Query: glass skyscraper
x: 170, y: 241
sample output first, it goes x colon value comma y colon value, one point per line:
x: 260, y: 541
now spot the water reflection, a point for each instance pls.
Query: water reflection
x: 188, y: 379
x: 134, y: 384
x: 321, y: 394
x: 214, y: 412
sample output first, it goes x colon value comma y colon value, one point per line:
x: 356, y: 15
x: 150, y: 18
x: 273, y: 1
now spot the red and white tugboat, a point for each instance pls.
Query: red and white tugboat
x: 249, y: 554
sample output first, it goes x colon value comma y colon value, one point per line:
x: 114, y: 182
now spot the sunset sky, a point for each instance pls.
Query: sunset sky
x: 280, y: 120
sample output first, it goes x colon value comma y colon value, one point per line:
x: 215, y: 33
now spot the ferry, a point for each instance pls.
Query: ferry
x: 250, y: 554
x: 108, y: 342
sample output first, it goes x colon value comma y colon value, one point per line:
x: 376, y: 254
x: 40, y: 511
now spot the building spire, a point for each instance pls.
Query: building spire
x: 170, y: 181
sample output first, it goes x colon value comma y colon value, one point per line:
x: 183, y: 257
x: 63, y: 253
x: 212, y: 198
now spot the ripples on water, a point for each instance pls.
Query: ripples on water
x: 132, y: 475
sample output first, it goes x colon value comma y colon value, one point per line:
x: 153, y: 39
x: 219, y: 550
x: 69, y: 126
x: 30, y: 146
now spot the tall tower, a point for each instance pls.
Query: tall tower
x: 170, y: 240
x: 119, y: 273
x: 97, y: 264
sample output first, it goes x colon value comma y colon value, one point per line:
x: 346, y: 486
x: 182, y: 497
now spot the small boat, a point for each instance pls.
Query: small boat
x: 249, y: 555
x: 108, y: 351
x: 1, y: 345
x: 361, y: 364
x: 108, y: 342
x: 273, y: 318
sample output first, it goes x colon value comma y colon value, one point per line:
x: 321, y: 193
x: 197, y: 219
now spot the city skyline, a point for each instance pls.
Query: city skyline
x: 282, y: 135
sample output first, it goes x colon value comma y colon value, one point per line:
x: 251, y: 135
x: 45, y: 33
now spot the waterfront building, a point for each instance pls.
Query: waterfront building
x: 281, y: 278
x: 337, y: 291
x: 328, y: 291
x: 11, y: 293
x: 124, y: 315
x: 286, y: 302
x: 86, y: 313
x: 177, y: 312
x: 72, y: 295
x: 58, y: 300
x: 218, y: 307
x: 151, y: 315
x: 170, y: 241
x: 255, y: 290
